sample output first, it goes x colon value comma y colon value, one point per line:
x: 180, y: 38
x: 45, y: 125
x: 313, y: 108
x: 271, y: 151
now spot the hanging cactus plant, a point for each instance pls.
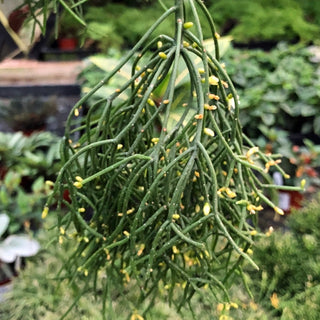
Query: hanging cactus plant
x: 161, y: 205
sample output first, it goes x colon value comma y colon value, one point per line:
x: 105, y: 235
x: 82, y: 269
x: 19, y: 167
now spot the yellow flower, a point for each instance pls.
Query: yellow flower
x: 151, y: 102
x: 198, y: 116
x: 78, y: 185
x: 271, y: 163
x: 210, y: 107
x: 45, y: 212
x: 274, y: 300
x: 250, y: 251
x: 175, y: 216
x: 208, y: 132
x: 251, y: 152
x: 220, y: 307
x: 269, y: 232
x: 130, y: 211
x: 136, y: 316
x: 253, y: 232
x: 278, y: 210
x: 162, y: 55
x: 213, y: 80
x: 185, y: 44
x: 230, y: 193
x: 175, y: 250
x: 49, y: 183
x: 252, y: 208
x: 206, y: 208
x: 141, y: 248
x: 213, y: 96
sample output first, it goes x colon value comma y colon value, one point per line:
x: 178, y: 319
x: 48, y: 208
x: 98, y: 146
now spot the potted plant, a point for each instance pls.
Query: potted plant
x: 68, y: 32
x: 170, y: 205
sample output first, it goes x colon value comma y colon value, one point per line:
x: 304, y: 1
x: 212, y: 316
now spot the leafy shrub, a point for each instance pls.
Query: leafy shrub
x: 117, y: 25
x: 288, y: 284
x: 278, y: 89
x: 260, y: 20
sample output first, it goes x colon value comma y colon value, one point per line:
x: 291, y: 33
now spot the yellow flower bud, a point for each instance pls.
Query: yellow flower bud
x: 151, y: 102
x: 162, y: 55
x: 188, y: 25
x: 130, y: 211
x: 175, y: 216
x: 175, y: 250
x: 78, y: 185
x: 45, y: 212
x: 185, y: 44
x: 49, y: 183
x: 278, y: 210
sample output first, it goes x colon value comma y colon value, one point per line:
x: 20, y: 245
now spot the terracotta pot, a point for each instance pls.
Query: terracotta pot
x: 67, y: 43
x: 289, y: 200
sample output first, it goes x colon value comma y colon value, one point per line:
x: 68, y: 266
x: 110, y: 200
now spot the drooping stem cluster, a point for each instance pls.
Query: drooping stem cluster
x: 166, y: 202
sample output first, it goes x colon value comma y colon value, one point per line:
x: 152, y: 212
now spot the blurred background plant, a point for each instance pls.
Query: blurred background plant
x: 28, y: 114
x: 26, y: 162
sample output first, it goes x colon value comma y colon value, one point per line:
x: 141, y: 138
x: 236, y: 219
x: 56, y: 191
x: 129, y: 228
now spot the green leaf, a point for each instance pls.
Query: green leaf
x: 4, y: 198
x: 23, y: 201
x: 12, y: 180
x: 268, y: 119
x: 308, y: 110
x: 38, y: 185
